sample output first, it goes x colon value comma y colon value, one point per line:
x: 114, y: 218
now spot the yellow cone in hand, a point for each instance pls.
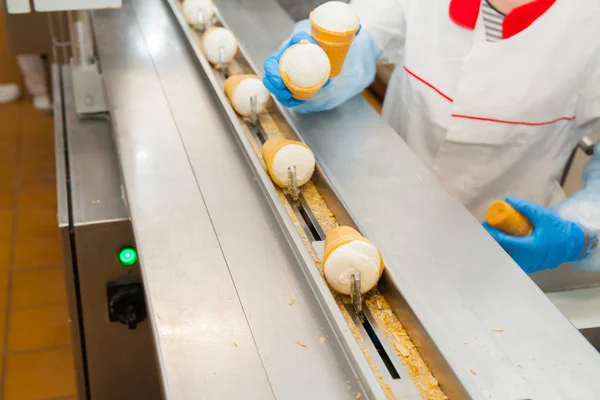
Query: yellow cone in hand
x: 334, y: 26
x: 505, y: 218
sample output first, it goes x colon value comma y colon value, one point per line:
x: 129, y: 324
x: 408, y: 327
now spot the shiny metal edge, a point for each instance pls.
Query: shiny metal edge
x: 371, y: 386
x: 59, y: 149
x: 58, y: 75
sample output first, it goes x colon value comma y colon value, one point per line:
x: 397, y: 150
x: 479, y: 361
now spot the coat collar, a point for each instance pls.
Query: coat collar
x: 465, y: 13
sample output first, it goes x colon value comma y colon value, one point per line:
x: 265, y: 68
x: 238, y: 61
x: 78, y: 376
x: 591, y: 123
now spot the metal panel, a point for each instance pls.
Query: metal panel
x: 65, y: 5
x: 202, y: 334
x: 18, y: 6
x: 580, y: 306
x: 566, y: 277
x: 261, y: 265
x: 119, y: 363
x: 325, y: 366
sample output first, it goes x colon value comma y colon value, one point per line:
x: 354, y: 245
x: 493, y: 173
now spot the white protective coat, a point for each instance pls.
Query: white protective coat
x: 490, y: 119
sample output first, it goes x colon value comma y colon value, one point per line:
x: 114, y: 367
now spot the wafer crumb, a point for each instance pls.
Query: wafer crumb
x: 299, y: 343
x: 321, y: 340
x: 292, y: 301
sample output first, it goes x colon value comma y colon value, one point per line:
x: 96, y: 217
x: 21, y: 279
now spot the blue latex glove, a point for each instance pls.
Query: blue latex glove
x: 554, y: 240
x: 359, y: 71
x: 272, y: 79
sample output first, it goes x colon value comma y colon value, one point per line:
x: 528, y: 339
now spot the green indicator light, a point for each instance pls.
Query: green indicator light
x: 128, y: 256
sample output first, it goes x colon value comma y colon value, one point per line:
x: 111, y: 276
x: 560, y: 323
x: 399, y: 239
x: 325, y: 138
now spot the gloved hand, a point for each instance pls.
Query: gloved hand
x: 358, y: 72
x: 554, y: 240
x: 272, y: 79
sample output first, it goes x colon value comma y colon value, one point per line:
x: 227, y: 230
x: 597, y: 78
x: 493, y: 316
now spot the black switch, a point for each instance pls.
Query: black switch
x: 126, y: 304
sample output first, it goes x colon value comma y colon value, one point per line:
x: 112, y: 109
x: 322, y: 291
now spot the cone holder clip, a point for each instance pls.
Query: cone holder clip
x: 293, y: 190
x: 222, y: 63
x: 253, y: 108
x: 200, y: 20
x: 355, y: 295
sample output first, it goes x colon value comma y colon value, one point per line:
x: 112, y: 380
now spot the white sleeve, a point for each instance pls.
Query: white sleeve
x: 385, y: 21
x: 588, y: 112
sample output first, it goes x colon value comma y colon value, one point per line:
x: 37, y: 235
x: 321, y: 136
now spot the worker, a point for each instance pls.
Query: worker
x: 493, y: 97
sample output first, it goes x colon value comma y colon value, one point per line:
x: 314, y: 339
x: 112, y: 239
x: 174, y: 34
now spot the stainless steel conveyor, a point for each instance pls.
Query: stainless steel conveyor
x: 234, y: 303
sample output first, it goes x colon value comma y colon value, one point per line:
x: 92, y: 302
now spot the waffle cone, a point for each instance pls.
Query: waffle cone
x: 299, y: 92
x: 505, y: 218
x: 270, y: 149
x: 336, y: 45
x: 231, y: 83
x: 340, y: 236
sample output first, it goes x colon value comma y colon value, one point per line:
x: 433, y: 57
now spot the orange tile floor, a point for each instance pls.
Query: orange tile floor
x: 36, y: 357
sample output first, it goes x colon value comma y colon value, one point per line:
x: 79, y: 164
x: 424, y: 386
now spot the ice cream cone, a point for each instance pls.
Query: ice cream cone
x: 231, y: 84
x: 198, y: 13
x: 341, y: 236
x: 299, y: 92
x: 505, y: 218
x: 212, y: 53
x: 270, y: 149
x: 335, y: 44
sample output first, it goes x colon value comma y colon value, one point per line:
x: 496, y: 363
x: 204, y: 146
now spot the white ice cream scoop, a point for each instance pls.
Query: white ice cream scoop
x: 282, y: 154
x: 348, y: 252
x: 198, y: 13
x: 335, y: 16
x: 305, y: 64
x: 241, y: 89
x: 219, y: 45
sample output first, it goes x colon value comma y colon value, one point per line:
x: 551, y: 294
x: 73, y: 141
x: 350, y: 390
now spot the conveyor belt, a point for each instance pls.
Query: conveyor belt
x: 182, y: 170
x: 313, y: 219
